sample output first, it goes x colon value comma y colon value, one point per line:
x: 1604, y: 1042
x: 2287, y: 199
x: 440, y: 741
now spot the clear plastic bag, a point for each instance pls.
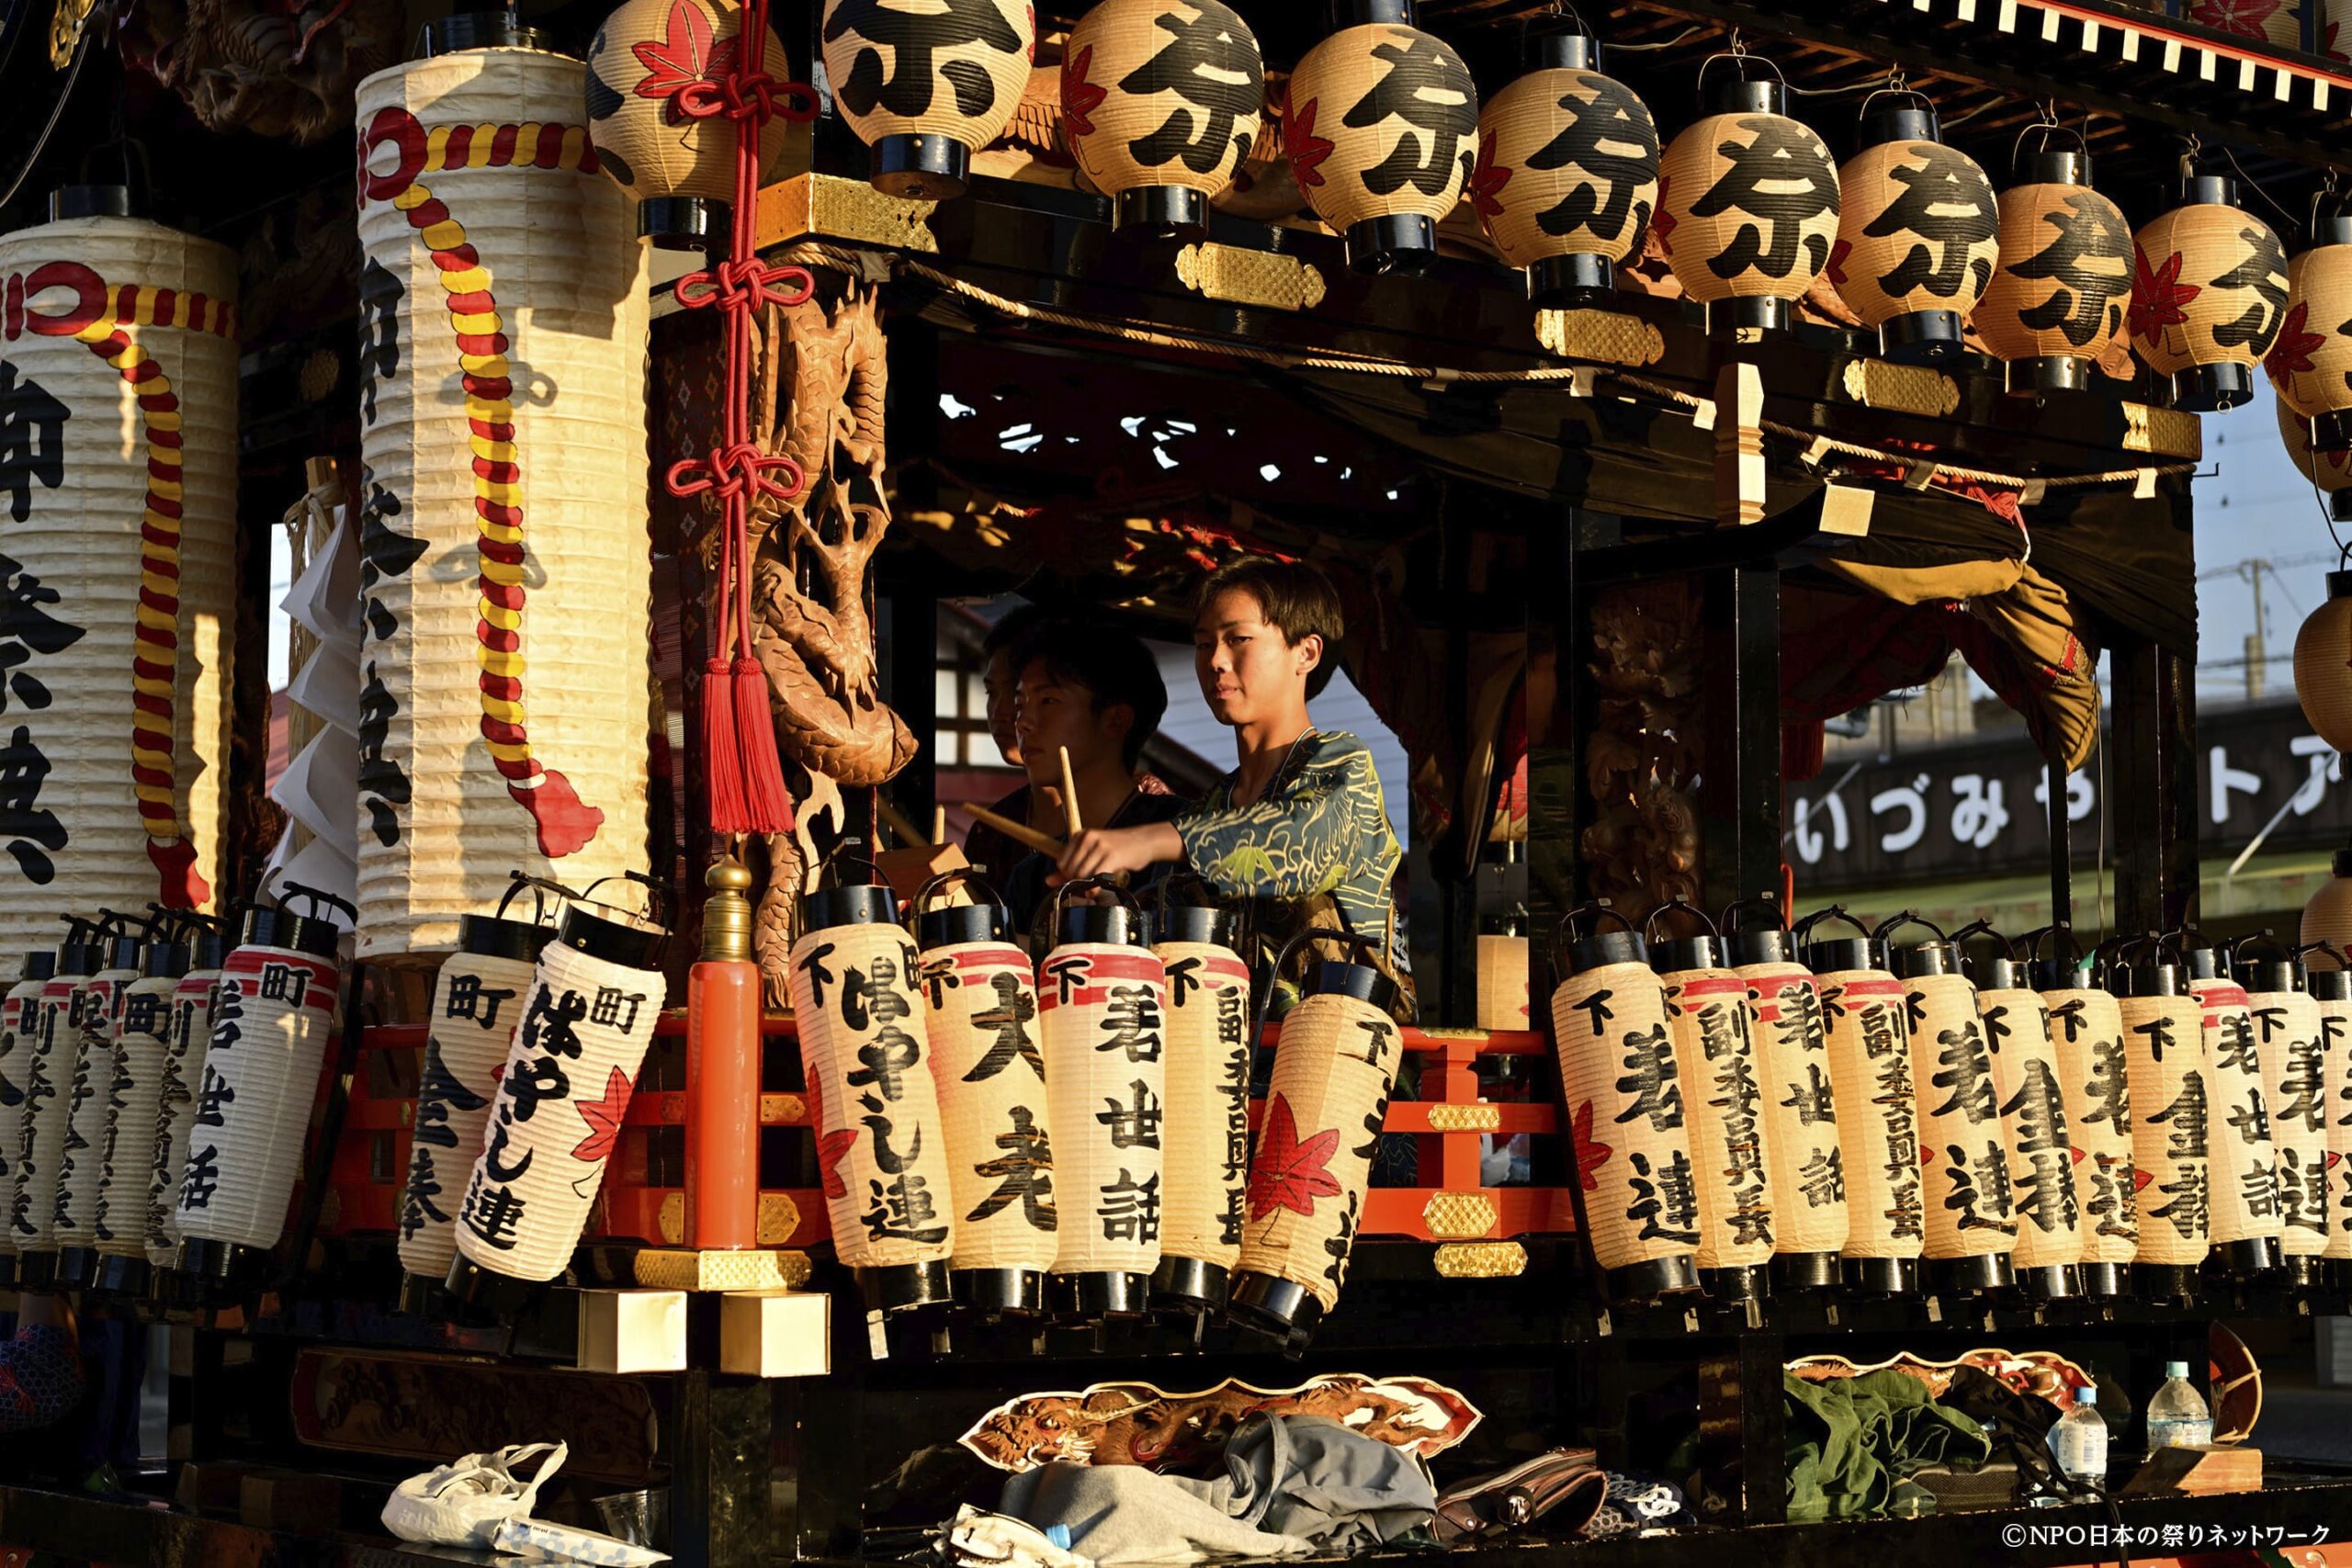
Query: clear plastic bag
x: 464, y: 1504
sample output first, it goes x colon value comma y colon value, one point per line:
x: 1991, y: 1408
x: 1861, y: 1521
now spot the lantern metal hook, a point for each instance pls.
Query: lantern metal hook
x: 2046, y: 127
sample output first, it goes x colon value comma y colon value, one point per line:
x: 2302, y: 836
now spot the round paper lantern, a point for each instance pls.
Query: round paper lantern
x: 2310, y: 364
x: 272, y: 1010
x: 94, y: 1014
x: 49, y: 1075
x: 1866, y: 1034
x: 2087, y: 1033
x: 2209, y: 294
x: 1918, y: 232
x: 2331, y: 988
x: 1161, y: 102
x: 2323, y: 666
x: 1334, y: 1062
x: 478, y: 1002
x: 1207, y: 1162
x: 1808, y: 1164
x: 183, y: 1050
x: 118, y: 556
x: 595, y: 995
x: 923, y: 83
x: 647, y: 63
x: 1381, y: 127
x: 1964, y: 1146
x: 1566, y: 177
x: 1747, y: 206
x: 881, y: 1147
x: 16, y: 1021
x: 2243, y: 1214
x: 1501, y: 955
x: 2057, y: 300
x: 2164, y: 1041
x: 2045, y: 1199
x: 2288, y: 1029
x: 981, y: 1016
x: 1636, y: 1193
x: 1722, y: 1093
x: 2329, y: 472
x: 505, y: 553
x: 1103, y: 1010
x: 134, y: 1107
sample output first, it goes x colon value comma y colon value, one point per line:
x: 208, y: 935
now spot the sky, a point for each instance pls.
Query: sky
x: 2255, y: 505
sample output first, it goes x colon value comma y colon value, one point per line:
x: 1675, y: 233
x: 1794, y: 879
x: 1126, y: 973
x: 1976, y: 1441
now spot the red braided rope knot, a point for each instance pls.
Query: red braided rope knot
x: 745, y: 286
x: 757, y: 96
x: 741, y: 469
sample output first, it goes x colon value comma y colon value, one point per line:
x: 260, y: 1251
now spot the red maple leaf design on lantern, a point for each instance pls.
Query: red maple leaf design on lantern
x: 1837, y: 268
x: 2333, y: 1155
x: 2079, y: 1156
x: 1662, y: 220
x: 603, y: 1118
x: 2141, y: 1178
x: 2292, y: 353
x: 1486, y: 181
x: 1590, y: 1155
x: 1288, y: 1174
x: 832, y: 1147
x: 2243, y: 18
x: 2327, y: 41
x: 684, y: 58
x: 1306, y: 148
x: 2157, y: 295
x: 1081, y: 97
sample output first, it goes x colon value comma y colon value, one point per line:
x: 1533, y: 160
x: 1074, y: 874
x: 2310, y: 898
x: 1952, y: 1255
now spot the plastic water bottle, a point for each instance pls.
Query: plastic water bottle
x: 2078, y: 1442
x: 2176, y: 1415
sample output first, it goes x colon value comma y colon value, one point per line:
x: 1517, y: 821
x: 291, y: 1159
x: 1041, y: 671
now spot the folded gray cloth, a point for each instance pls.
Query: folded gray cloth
x: 1291, y: 1485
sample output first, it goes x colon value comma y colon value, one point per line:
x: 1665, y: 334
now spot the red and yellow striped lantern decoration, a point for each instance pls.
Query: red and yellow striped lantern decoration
x: 2310, y: 364
x: 1800, y: 1108
x: 2047, y: 1202
x: 980, y: 1000
x: 2288, y: 1035
x: 184, y: 1051
x: 94, y: 1014
x: 1207, y: 1163
x: 2086, y: 1032
x: 509, y: 557
x: 1566, y: 177
x: 1748, y: 206
x: 1963, y: 1144
x: 1723, y: 1094
x: 1161, y: 102
x: 119, y: 377
x: 2242, y: 1217
x: 17, y: 1013
x: 924, y: 84
x: 1917, y: 231
x: 1381, y: 127
x: 2209, y: 295
x: 2057, y: 301
x: 1866, y: 1033
x: 2164, y: 1041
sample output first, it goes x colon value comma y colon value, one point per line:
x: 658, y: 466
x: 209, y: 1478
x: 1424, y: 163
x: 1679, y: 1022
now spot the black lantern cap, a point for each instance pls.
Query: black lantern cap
x: 42, y: 965
x: 853, y: 904
x: 1201, y: 924
x: 1743, y: 945
x: 1903, y: 116
x: 78, y: 954
x: 1597, y: 948
x: 684, y: 222
x: 88, y: 202
x: 1360, y: 13
x: 1562, y: 51
x: 926, y: 167
x: 995, y: 1292
x: 489, y: 936
x: 955, y: 924
x: 1281, y: 1309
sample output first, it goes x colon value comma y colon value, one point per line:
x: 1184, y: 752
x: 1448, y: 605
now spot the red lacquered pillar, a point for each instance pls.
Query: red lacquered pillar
x: 723, y: 1072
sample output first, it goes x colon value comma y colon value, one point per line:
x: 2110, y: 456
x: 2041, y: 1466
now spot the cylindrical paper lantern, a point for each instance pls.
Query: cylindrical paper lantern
x: 647, y: 63
x: 1103, y: 1007
x: 1502, y: 974
x: 1722, y: 1093
x: 2243, y: 1191
x: 981, y: 1020
x: 134, y: 1107
x: 2209, y: 293
x: 1161, y: 102
x: 502, y: 413
x: 2330, y: 473
x: 586, y: 1020
x: 119, y: 554
x: 2323, y: 670
x: 1566, y: 177
x: 94, y: 1014
x: 1638, y: 1192
x: 1918, y: 232
x: 1963, y: 1144
x: 49, y: 1077
x: 1207, y: 1163
x: 1747, y: 206
x: 274, y: 1011
x: 2041, y: 1138
x: 18, y: 1016
x: 1809, y: 1162
x: 478, y: 1002
x: 2288, y: 1038
x: 881, y: 1143
x: 2310, y: 365
x: 1866, y: 1033
x: 924, y: 84
x: 2164, y: 1043
x: 184, y: 1053
x: 2056, y: 302
x: 1334, y: 1064
x: 1381, y: 126
x: 2086, y: 1032
x: 2332, y: 989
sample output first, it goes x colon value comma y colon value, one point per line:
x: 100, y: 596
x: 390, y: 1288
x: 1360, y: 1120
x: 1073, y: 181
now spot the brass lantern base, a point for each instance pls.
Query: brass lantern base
x: 1161, y: 212
x: 124, y: 1276
x: 1922, y: 337
x: 2049, y: 373
x: 1881, y: 1276
x: 2050, y: 1282
x: 922, y: 169
x: 2101, y: 1280
x: 1395, y: 242
x: 2245, y: 1260
x: 684, y: 222
x: 2213, y: 389
x: 1560, y: 283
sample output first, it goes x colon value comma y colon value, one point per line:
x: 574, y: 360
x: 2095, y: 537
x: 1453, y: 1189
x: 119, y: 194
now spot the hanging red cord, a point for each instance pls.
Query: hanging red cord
x: 743, y: 778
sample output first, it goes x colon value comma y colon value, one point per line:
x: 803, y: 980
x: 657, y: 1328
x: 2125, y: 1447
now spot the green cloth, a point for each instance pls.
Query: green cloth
x: 1853, y: 1442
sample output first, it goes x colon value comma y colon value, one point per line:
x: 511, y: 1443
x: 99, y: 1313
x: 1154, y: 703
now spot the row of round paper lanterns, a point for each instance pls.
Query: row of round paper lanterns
x: 2308, y: 366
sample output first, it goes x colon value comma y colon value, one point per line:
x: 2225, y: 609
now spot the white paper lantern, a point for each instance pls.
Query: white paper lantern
x: 1207, y: 1162
x: 40, y: 1140
x: 2164, y: 1041
x: 94, y: 1014
x: 2086, y: 1032
x: 2290, y: 1037
x: 18, y: 1017
x: 1964, y: 1146
x: 2242, y: 1223
x: 1867, y: 1030
x: 184, y: 1051
x: 134, y: 1105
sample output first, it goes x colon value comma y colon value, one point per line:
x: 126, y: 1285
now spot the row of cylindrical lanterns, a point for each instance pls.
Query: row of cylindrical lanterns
x: 1875, y: 1111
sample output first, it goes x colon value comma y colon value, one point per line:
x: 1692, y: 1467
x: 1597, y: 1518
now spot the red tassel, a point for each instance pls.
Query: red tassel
x: 768, y: 803
x: 722, y: 765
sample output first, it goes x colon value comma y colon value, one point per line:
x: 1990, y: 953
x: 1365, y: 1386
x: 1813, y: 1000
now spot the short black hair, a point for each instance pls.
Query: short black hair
x: 1294, y: 598
x: 1111, y: 663
x: 1012, y: 627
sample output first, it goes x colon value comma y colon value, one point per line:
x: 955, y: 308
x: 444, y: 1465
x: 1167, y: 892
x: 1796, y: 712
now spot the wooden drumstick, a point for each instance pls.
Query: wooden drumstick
x: 1069, y: 797
x: 938, y: 825
x: 1019, y: 832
